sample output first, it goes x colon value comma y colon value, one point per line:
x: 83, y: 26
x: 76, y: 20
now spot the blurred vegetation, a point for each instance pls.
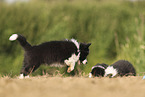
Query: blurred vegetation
x: 116, y: 30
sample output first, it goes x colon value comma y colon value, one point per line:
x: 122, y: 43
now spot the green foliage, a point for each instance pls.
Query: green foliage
x: 115, y: 29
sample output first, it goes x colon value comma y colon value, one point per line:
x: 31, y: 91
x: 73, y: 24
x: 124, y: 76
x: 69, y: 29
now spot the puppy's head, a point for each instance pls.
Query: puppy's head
x: 98, y: 70
x: 84, y: 51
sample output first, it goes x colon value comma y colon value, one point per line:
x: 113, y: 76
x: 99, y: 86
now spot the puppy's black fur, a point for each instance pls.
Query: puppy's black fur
x: 98, y: 70
x: 124, y: 68
x: 120, y: 68
x: 49, y: 53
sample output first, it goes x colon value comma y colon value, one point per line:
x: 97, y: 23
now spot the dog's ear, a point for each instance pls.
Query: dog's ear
x: 88, y: 45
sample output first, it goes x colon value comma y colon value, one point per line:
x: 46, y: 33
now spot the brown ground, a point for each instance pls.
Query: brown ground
x: 72, y: 87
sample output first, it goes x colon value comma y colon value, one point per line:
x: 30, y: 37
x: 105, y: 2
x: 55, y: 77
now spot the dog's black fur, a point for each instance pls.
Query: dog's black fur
x: 49, y: 53
x: 124, y: 68
x: 98, y: 70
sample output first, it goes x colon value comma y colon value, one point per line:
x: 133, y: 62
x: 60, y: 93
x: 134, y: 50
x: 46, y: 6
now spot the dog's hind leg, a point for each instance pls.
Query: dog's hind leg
x: 26, y: 70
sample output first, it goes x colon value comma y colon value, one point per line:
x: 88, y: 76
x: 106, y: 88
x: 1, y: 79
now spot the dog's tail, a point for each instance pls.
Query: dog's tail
x: 22, y: 40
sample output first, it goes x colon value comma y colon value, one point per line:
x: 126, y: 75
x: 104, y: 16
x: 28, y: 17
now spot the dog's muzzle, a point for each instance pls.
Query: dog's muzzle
x: 85, y: 61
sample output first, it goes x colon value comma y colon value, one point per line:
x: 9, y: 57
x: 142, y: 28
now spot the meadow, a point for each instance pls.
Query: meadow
x: 116, y: 30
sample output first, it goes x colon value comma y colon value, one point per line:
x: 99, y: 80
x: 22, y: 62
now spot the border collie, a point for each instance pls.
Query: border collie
x: 98, y: 70
x: 63, y: 52
x: 120, y: 68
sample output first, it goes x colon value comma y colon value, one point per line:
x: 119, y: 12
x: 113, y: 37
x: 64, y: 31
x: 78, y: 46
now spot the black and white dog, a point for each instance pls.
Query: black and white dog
x: 64, y: 52
x: 98, y: 70
x: 120, y: 68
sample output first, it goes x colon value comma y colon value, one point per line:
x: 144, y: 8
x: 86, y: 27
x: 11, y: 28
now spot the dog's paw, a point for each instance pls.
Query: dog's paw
x: 90, y: 75
x: 69, y: 70
x: 21, y: 76
x: 27, y: 76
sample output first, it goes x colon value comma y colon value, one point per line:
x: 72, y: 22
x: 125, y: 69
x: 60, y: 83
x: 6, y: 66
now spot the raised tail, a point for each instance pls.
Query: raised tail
x: 22, y: 41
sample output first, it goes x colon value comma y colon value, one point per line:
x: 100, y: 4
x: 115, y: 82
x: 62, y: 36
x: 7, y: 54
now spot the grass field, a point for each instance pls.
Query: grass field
x: 46, y: 86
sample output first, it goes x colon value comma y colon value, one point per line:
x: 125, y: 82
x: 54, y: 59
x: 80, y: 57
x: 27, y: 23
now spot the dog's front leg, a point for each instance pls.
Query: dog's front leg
x: 71, y: 67
x: 71, y: 62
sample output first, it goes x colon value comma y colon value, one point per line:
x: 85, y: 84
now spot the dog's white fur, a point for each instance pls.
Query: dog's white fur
x: 22, y: 76
x: 13, y: 37
x: 98, y: 66
x: 74, y: 58
x: 71, y: 61
x: 90, y: 75
x: 85, y: 61
x: 111, y: 70
x: 76, y: 43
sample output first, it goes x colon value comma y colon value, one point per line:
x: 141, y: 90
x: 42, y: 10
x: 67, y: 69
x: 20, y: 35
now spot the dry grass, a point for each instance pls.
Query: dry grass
x: 46, y: 86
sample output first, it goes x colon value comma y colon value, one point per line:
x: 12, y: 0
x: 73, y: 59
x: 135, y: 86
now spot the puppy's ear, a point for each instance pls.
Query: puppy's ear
x: 88, y: 44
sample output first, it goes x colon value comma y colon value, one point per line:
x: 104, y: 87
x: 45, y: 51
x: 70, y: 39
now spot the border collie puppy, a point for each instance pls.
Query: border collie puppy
x: 98, y: 70
x: 62, y: 52
x: 120, y: 68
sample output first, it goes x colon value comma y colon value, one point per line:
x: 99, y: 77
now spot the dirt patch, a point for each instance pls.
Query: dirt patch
x: 72, y: 87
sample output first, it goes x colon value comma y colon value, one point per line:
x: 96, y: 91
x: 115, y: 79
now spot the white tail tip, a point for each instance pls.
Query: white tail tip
x: 13, y: 37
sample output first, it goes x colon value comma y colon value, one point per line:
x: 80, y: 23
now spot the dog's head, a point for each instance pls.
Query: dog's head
x: 84, y: 51
x: 98, y: 70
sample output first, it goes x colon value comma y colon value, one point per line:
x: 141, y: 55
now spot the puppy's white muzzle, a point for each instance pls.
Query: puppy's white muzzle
x: 85, y: 61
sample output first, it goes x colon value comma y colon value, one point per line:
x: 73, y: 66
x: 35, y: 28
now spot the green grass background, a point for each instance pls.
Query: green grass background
x: 115, y: 28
